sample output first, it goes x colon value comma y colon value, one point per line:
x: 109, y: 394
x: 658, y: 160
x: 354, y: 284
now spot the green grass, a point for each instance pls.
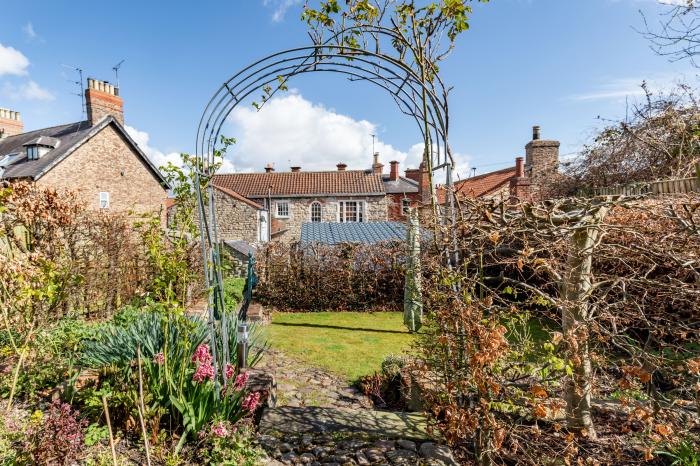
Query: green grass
x: 350, y: 344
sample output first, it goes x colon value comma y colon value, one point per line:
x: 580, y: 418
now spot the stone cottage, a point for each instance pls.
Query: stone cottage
x: 296, y: 197
x: 95, y: 158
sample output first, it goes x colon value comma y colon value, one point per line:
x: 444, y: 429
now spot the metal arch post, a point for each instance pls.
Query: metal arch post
x: 390, y: 74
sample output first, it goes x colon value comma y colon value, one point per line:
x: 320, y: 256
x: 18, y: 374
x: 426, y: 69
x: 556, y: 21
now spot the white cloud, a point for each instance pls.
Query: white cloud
x: 290, y: 130
x: 156, y: 156
x: 28, y: 30
x: 280, y: 8
x: 12, y: 61
x: 29, y: 90
x: 619, y: 89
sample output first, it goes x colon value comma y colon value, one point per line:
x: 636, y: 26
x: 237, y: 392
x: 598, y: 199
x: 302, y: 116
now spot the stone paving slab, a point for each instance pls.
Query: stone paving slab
x: 312, y: 419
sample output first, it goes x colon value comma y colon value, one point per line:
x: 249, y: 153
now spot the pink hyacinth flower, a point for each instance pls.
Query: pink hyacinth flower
x: 229, y: 371
x: 202, y: 354
x: 240, y: 381
x: 251, y: 401
x: 205, y: 371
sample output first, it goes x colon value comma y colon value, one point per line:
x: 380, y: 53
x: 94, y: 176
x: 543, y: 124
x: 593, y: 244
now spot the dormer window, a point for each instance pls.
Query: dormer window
x: 38, y: 147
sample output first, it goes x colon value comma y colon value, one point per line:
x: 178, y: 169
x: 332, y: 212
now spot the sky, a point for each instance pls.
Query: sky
x: 559, y: 64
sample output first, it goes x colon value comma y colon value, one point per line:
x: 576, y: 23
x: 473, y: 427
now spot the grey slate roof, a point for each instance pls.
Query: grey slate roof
x: 68, y: 137
x: 400, y: 186
x: 242, y: 247
x: 362, y: 232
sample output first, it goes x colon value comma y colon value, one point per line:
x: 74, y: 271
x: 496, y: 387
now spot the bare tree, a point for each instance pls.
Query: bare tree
x: 659, y: 139
x: 676, y: 34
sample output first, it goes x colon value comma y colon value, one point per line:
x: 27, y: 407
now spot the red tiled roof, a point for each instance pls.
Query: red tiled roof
x: 479, y: 186
x: 237, y: 196
x: 258, y: 185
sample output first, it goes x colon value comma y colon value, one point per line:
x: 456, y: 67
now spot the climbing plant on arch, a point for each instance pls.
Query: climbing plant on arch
x: 355, y: 52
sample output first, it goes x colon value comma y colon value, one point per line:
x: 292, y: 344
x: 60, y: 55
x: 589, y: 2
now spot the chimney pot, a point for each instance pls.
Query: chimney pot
x: 296, y: 169
x: 519, y: 167
x: 535, y: 133
x: 269, y: 168
x: 394, y: 173
x: 341, y: 167
x: 10, y: 123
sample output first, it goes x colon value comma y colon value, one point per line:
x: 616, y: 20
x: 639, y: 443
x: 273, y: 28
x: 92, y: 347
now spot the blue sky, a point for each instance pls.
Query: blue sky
x: 556, y: 63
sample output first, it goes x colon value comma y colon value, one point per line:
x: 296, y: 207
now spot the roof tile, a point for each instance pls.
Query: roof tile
x: 257, y: 185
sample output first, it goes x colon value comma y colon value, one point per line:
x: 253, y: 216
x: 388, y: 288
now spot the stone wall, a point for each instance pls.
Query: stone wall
x: 108, y: 163
x: 289, y: 229
x: 236, y: 220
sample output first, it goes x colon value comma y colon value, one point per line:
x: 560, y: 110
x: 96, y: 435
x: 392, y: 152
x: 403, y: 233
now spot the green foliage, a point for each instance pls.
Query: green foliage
x: 233, y: 291
x: 234, y: 447
x: 51, y: 360
x: 117, y: 344
x: 686, y: 453
x: 393, y: 363
x: 95, y: 433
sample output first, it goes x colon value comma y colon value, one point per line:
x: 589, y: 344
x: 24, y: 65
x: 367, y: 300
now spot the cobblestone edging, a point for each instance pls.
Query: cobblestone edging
x: 339, y: 450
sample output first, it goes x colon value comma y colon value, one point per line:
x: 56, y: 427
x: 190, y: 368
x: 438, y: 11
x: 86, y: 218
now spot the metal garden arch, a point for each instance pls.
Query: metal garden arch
x: 426, y: 104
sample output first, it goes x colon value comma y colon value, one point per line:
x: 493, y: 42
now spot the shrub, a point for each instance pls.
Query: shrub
x: 56, y: 437
x: 350, y: 277
x: 225, y: 443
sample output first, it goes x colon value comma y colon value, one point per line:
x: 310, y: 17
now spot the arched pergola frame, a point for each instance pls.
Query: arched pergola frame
x: 425, y: 103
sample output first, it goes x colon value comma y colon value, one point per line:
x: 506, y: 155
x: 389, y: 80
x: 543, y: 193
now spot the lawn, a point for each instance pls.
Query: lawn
x: 350, y: 344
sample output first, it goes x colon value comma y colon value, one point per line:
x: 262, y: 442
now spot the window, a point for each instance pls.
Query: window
x: 316, y: 212
x: 104, y: 200
x: 35, y: 151
x: 351, y: 211
x: 282, y: 209
x: 405, y: 205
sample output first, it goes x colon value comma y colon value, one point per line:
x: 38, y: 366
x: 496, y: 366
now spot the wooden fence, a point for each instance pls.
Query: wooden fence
x: 674, y: 186
x: 678, y: 186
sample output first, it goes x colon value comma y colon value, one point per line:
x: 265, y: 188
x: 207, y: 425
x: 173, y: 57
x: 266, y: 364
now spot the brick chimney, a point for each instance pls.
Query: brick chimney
x: 10, y: 123
x: 394, y: 173
x: 296, y: 169
x: 377, y: 167
x: 541, y: 159
x: 102, y: 99
x: 269, y: 168
x: 520, y: 184
x: 420, y: 175
x: 341, y: 167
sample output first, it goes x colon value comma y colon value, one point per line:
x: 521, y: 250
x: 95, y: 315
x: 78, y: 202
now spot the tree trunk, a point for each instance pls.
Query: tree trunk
x: 575, y: 314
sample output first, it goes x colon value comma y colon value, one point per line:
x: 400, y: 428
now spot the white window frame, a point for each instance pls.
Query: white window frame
x: 360, y: 211
x: 279, y: 204
x: 104, y: 197
x: 320, y: 212
x: 32, y: 152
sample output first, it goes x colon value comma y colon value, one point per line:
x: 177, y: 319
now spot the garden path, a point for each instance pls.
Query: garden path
x: 300, y: 385
x: 320, y: 419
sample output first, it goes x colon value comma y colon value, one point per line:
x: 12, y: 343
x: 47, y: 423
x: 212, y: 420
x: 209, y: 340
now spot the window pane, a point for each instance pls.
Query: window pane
x: 283, y: 209
x: 315, y: 212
